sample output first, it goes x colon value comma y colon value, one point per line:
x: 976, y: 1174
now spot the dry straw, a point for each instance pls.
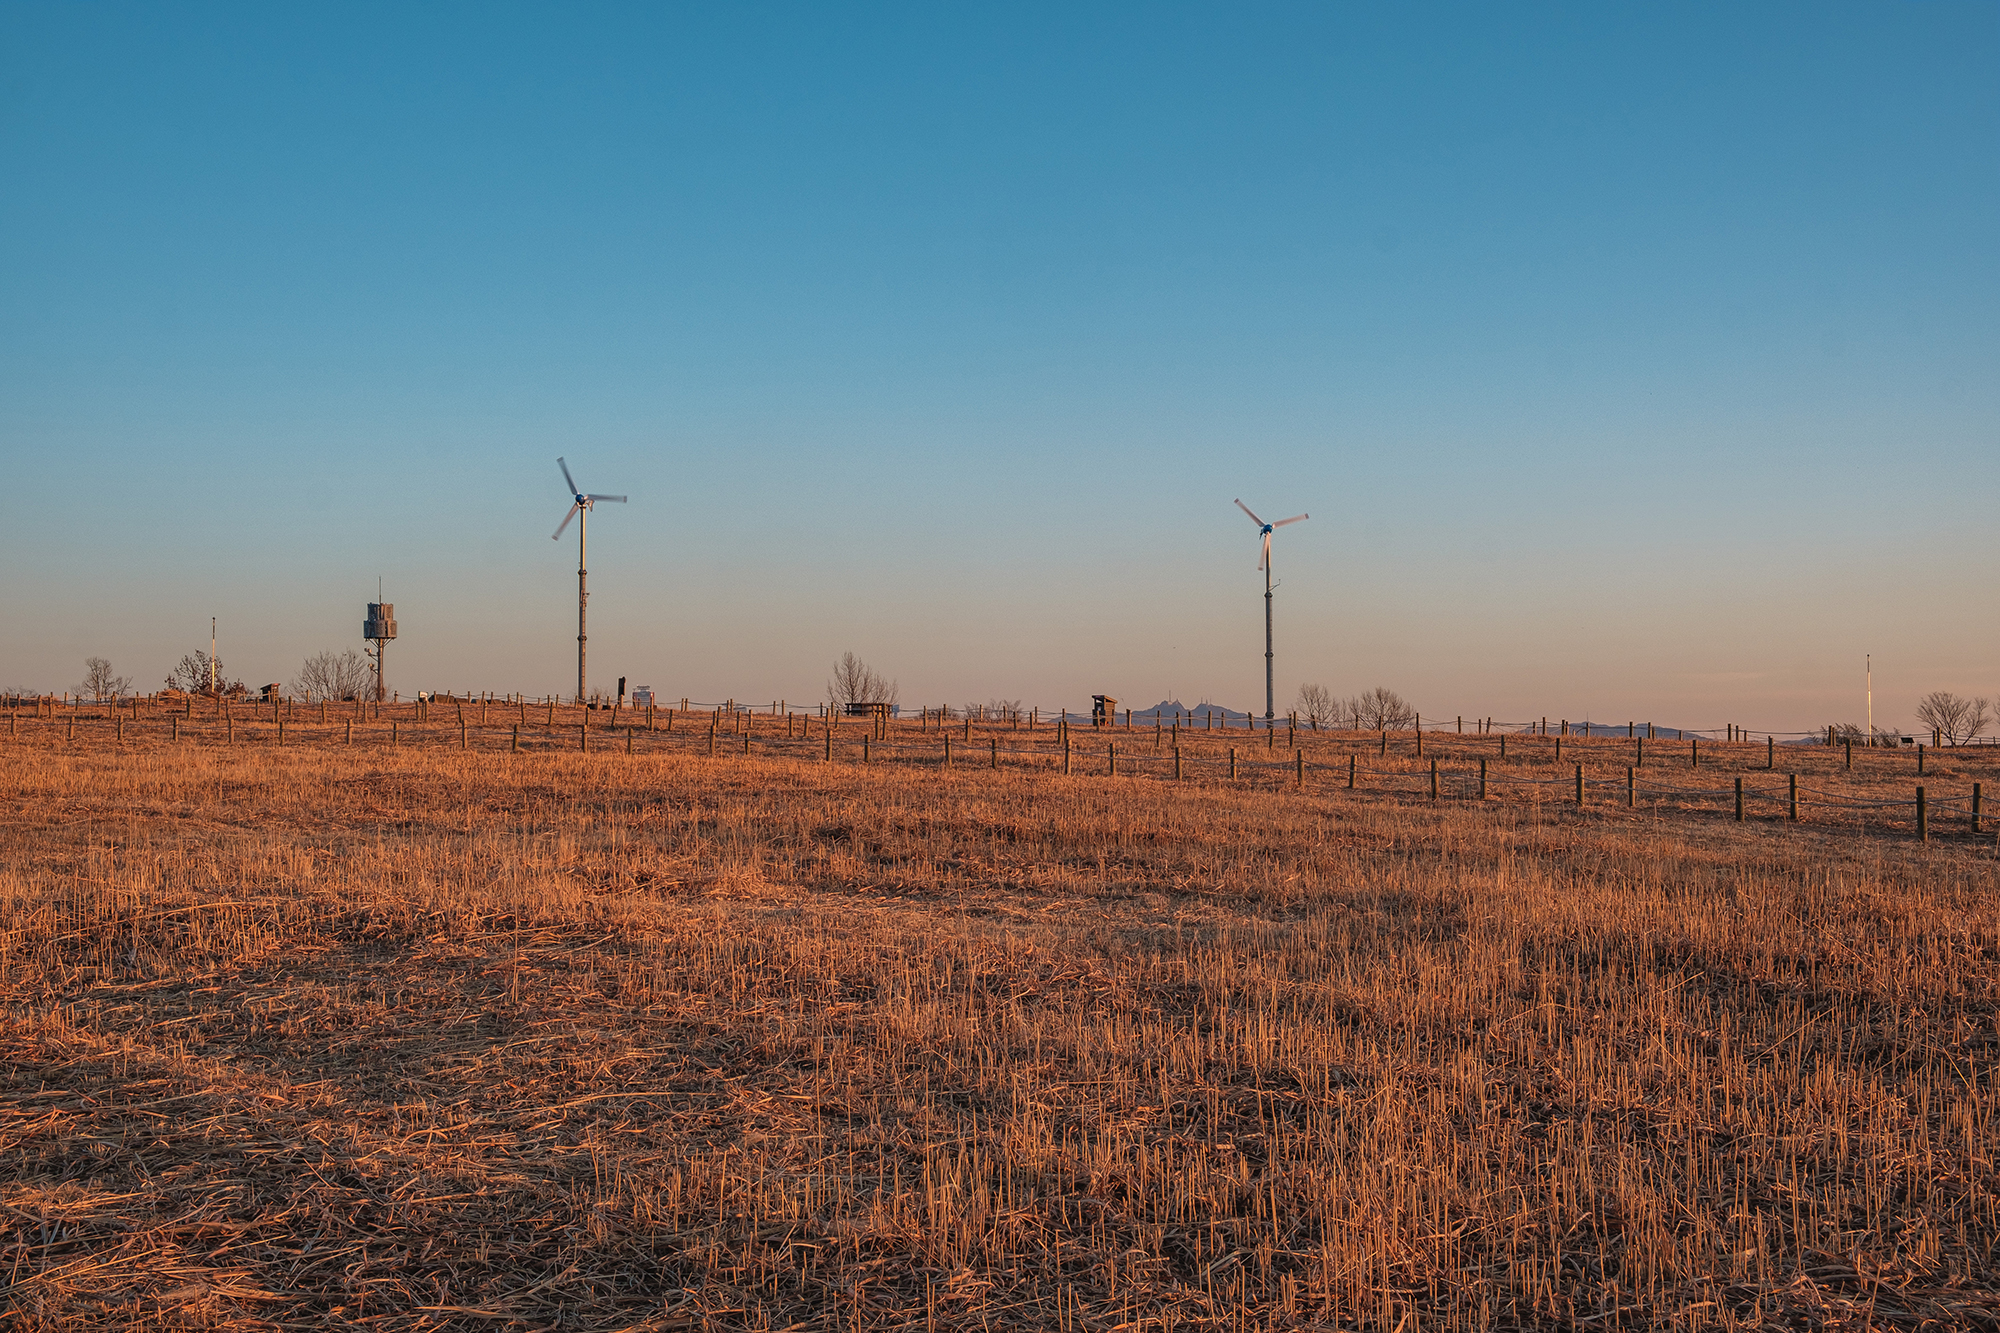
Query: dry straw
x: 416, y: 1038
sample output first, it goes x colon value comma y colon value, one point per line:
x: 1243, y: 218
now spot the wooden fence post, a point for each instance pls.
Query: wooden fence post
x: 995, y: 744
x: 1631, y: 789
x: 517, y: 736
x: 1177, y: 763
x: 1350, y: 772
x: 1065, y: 752
x: 1975, y: 807
x: 1923, y: 818
x: 1434, y: 779
x: 1111, y: 758
x: 1232, y: 761
x: 1770, y: 752
x: 1482, y: 778
x: 1739, y: 800
x: 1299, y: 765
x: 1579, y: 786
x: 1792, y: 796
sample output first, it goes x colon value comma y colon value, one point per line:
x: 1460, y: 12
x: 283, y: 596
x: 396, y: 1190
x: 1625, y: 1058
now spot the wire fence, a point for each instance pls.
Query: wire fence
x: 1203, y: 716
x: 1476, y: 766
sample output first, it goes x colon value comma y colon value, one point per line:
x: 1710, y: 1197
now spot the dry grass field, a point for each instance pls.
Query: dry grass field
x: 414, y: 1037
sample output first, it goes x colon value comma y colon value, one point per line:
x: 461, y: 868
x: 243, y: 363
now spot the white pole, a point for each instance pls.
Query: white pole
x: 1869, y: 661
x: 211, y: 655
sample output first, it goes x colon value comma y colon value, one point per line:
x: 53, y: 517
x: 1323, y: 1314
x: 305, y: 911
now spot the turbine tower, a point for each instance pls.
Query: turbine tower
x: 580, y: 507
x: 1264, y: 563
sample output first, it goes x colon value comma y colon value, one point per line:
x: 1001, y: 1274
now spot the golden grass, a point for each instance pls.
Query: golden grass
x: 417, y: 1038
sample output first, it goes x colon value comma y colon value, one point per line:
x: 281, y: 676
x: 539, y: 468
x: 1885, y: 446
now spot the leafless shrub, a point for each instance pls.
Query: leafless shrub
x: 1318, y: 706
x: 100, y: 682
x: 196, y: 673
x: 855, y: 682
x: 331, y: 675
x: 1955, y: 718
x: 1381, y: 709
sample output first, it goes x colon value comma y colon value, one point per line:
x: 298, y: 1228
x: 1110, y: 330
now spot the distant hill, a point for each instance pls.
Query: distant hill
x: 1173, y: 710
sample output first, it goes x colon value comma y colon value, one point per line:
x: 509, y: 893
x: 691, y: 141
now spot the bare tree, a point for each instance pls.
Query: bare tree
x: 1381, y: 709
x: 1840, y: 733
x: 193, y: 675
x: 1318, y: 705
x: 1003, y: 710
x: 855, y: 682
x: 331, y: 675
x: 1954, y: 717
x: 100, y: 682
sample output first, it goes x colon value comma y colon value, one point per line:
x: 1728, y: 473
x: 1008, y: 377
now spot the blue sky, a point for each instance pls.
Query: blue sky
x: 1631, y: 362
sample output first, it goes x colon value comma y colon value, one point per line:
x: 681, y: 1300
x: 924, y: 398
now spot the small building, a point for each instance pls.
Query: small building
x: 642, y: 696
x: 1103, y: 711
x: 270, y: 692
x: 872, y: 710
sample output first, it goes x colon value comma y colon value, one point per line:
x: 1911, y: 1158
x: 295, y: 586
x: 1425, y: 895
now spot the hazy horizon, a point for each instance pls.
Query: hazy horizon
x: 1630, y: 364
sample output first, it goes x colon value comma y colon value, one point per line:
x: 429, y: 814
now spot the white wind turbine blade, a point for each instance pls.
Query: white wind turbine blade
x: 1265, y: 559
x: 567, y: 479
x: 615, y: 499
x: 573, y: 510
x: 1246, y: 509
x: 1296, y: 518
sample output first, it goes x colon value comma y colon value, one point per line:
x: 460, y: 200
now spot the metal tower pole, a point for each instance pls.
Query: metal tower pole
x: 582, y: 601
x: 1270, y: 706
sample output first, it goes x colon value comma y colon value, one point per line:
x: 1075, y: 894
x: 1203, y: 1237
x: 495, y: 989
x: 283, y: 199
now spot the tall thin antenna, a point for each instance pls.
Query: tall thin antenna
x: 211, y: 656
x: 1869, y: 660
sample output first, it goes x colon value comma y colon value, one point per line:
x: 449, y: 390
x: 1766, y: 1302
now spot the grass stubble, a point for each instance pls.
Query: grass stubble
x: 407, y: 1039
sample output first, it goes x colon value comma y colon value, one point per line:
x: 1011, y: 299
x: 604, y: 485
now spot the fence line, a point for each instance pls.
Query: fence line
x: 809, y: 737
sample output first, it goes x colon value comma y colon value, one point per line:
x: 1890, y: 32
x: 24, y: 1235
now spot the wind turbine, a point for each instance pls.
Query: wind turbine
x: 1264, y: 563
x: 580, y: 507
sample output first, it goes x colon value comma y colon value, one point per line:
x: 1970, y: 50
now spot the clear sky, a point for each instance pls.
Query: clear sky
x: 1632, y: 361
